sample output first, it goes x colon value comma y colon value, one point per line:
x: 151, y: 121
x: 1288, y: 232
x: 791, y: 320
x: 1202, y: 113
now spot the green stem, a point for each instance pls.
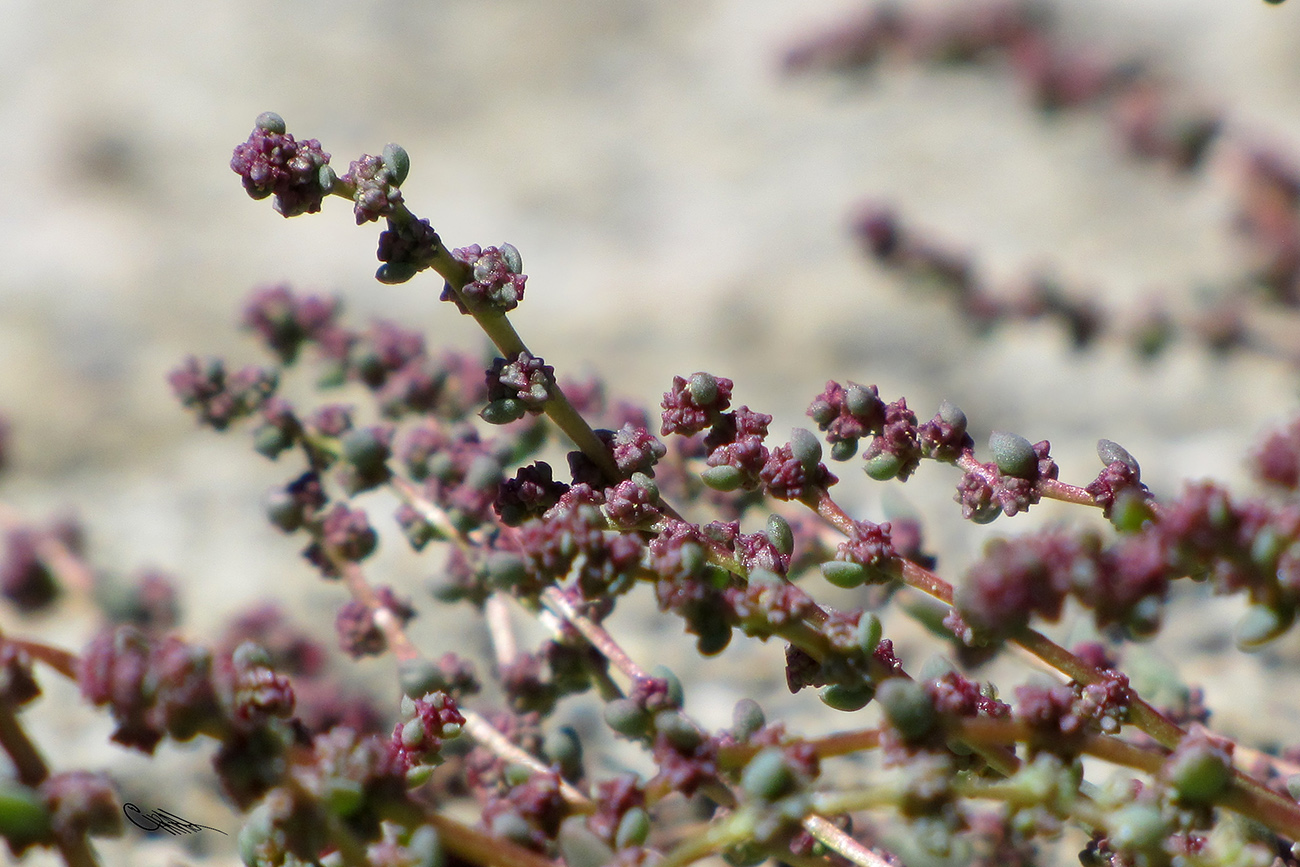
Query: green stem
x: 497, y: 327
x: 736, y: 828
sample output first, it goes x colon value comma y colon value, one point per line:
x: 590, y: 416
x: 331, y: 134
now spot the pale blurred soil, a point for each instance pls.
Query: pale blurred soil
x: 679, y: 204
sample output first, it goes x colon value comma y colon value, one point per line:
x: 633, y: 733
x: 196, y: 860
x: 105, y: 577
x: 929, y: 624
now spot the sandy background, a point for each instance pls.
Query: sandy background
x: 679, y: 203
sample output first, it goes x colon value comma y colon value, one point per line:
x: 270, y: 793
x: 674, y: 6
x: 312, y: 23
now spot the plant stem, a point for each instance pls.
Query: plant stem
x: 485, y: 733
x: 502, y: 333
x: 27, y: 759
x: 835, y: 839
x: 600, y: 639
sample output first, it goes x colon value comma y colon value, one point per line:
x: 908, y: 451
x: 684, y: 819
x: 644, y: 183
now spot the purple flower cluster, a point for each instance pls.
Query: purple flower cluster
x: 1151, y: 121
x: 497, y: 282
x: 850, y: 414
x: 1240, y: 546
x: 1060, y: 715
x: 406, y: 247
x: 1002, y: 488
x: 374, y: 188
x: 272, y: 163
x: 1275, y: 459
x: 358, y: 634
x: 523, y: 379
x: 25, y: 578
x: 695, y: 404
x: 571, y: 542
x: 172, y: 688
x: 429, y: 721
x: 284, y: 321
x: 218, y: 397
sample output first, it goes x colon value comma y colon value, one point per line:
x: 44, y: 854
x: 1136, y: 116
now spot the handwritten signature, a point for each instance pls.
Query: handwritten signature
x: 161, y: 820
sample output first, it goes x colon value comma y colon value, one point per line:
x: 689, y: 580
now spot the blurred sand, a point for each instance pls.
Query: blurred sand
x: 679, y: 203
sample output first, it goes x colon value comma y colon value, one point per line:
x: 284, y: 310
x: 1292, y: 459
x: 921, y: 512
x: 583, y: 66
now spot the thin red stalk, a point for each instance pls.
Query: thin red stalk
x: 355, y: 580
x: 1053, y: 489
x: 593, y: 632
x: 27, y: 759
x: 57, y: 658
x: 485, y: 733
x: 477, y: 847
x: 497, y: 615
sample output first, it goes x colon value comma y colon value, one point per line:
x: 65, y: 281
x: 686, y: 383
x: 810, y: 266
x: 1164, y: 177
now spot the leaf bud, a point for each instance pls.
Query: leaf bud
x: 270, y: 122
x: 1144, y: 618
x: 327, y: 178
x: 747, y: 718
x: 505, y: 570
x: 503, y: 411
x: 1111, y: 452
x: 848, y: 697
x: 676, y: 697
x: 418, y: 677
x: 806, y: 447
x: 747, y: 853
x: 883, y: 466
x: 270, y: 440
x: 860, y: 401
x: 23, y: 815
x: 284, y: 511
x: 843, y: 450
x: 723, y: 478
x: 1013, y: 454
x: 780, y: 534
x: 512, y: 826
x: 703, y: 388
x: 563, y: 747
x: 633, y: 828
x: 418, y: 775
x: 365, y: 450
x: 342, y: 796
x: 1199, y: 774
x: 510, y: 255
x: 647, y: 484
x: 484, y: 473
x: 426, y: 848
x: 768, y: 775
x: 1130, y: 511
x: 907, y: 707
x: 516, y: 774
x: 250, y: 654
x: 951, y: 414
x: 397, y: 162
x: 844, y: 573
x: 822, y: 412
x: 393, y: 273
x: 413, y: 734
x: 868, y: 633
x: 1137, y: 826
x: 678, y: 730
x: 627, y: 718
